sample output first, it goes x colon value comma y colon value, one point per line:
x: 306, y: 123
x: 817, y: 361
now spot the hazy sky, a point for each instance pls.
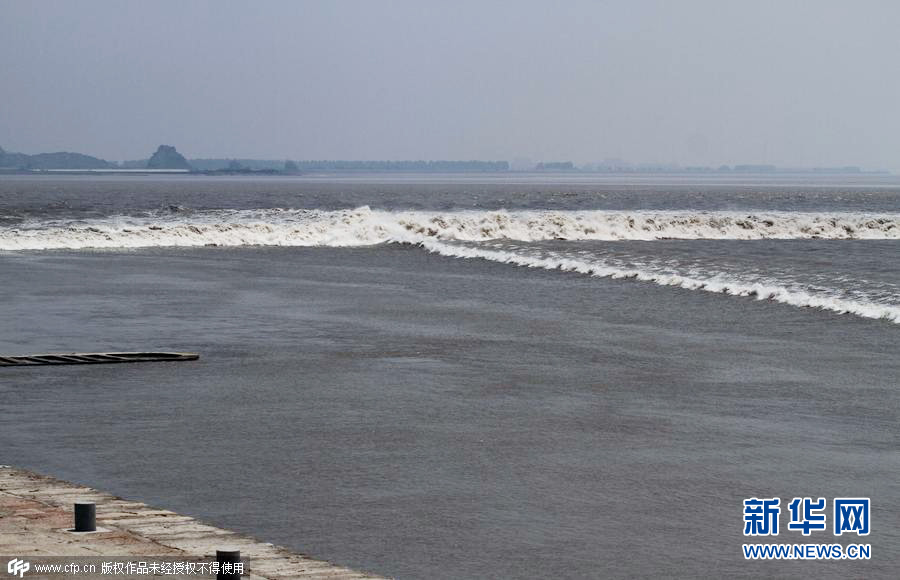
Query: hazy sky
x: 793, y: 83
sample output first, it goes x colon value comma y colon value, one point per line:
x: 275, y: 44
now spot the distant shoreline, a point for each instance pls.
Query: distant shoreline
x: 512, y: 173
x: 167, y: 159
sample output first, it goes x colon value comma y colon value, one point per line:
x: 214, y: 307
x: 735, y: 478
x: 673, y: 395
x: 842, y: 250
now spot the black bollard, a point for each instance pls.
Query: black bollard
x: 231, y: 557
x: 85, y: 517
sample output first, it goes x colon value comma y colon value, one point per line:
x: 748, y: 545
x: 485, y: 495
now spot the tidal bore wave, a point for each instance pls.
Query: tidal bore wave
x: 364, y: 226
x: 443, y: 232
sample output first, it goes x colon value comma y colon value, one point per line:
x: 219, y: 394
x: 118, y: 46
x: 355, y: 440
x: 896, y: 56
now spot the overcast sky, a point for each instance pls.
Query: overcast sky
x: 792, y: 83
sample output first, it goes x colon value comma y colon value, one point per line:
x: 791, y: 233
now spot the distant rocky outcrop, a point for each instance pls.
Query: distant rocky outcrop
x: 60, y: 160
x: 166, y: 157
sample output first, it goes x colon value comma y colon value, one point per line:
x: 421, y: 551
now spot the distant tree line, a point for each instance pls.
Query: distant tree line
x: 291, y: 166
x: 555, y: 166
x: 419, y: 166
x: 236, y: 164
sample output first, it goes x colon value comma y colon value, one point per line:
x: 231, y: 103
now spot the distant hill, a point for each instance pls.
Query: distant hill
x: 66, y: 160
x: 13, y: 160
x: 60, y: 160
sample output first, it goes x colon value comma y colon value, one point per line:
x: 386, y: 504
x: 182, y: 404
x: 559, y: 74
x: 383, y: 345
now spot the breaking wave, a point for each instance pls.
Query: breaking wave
x: 364, y: 226
x: 776, y: 291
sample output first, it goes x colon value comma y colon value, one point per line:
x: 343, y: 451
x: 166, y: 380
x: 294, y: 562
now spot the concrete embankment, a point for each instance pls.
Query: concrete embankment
x: 36, y: 521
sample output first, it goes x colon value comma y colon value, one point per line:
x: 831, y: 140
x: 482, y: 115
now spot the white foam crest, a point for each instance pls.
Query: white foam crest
x: 364, y: 226
x: 721, y: 284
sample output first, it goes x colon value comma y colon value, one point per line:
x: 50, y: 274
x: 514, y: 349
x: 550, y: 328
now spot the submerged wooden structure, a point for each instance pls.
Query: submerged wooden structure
x: 82, y: 358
